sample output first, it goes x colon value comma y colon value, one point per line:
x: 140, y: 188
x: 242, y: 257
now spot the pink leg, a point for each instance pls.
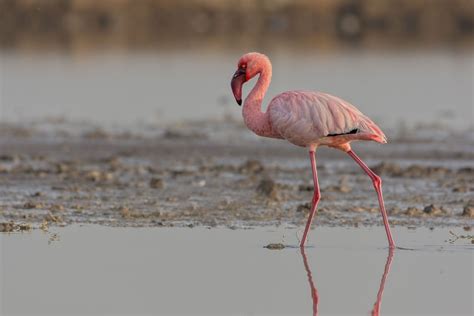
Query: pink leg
x: 316, y: 197
x: 378, y: 187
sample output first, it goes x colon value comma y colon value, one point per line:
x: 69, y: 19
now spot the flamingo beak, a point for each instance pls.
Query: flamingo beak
x: 237, y: 82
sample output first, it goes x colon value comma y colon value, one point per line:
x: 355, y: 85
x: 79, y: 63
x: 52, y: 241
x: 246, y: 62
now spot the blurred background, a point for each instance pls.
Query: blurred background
x: 406, y: 63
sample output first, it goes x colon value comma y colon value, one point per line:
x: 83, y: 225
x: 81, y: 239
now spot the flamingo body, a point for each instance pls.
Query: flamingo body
x: 307, y: 118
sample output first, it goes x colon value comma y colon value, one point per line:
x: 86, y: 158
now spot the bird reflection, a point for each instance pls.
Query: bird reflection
x: 388, y: 263
x: 314, y: 291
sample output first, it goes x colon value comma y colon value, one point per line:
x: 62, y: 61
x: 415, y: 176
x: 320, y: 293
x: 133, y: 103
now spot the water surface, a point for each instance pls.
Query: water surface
x: 400, y: 87
x: 98, y: 270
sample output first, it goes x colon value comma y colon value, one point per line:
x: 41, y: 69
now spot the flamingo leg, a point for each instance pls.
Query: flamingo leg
x: 377, y: 181
x: 316, y: 197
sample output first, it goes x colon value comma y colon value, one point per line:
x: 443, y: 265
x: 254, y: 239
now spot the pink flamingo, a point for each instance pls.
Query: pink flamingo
x: 307, y: 119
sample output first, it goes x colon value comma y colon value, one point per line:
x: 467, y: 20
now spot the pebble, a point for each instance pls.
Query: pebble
x: 267, y: 187
x: 157, y: 183
x: 275, y: 246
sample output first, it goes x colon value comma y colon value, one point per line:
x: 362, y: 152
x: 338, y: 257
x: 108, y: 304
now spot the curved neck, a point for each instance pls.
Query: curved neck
x: 254, y: 118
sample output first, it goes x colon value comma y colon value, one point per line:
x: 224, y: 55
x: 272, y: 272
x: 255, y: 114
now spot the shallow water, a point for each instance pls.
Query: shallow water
x: 401, y: 87
x: 95, y: 270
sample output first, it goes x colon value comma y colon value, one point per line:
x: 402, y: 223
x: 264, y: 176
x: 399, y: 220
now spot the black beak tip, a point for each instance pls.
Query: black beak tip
x: 239, y: 102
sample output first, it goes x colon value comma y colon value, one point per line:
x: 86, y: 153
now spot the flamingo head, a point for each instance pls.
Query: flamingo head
x: 249, y: 66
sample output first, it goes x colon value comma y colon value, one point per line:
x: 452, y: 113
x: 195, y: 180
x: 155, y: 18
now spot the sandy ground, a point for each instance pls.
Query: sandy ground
x: 219, y: 174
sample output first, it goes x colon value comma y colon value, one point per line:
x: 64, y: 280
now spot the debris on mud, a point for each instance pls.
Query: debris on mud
x: 32, y: 205
x: 44, y: 226
x: 150, y: 182
x: 251, y: 166
x: 50, y: 217
x: 268, y: 188
x: 97, y: 176
x: 306, y: 187
x: 468, y: 210
x: 157, y: 183
x: 435, y: 210
x: 96, y: 133
x: 125, y: 212
x: 10, y: 227
x: 275, y: 246
x: 175, y: 134
x: 8, y: 157
x: 304, y: 208
x: 53, y: 238
x: 456, y: 237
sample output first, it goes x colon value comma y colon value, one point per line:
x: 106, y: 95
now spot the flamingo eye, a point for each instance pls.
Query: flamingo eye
x: 243, y: 66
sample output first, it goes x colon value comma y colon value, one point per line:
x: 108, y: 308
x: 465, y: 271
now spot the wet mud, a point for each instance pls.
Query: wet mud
x: 218, y: 174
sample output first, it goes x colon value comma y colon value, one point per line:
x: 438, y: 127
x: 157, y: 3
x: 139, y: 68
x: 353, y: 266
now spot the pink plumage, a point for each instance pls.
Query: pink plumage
x: 308, y: 119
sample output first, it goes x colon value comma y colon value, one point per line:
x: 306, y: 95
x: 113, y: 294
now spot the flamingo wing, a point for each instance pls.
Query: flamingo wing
x: 305, y: 117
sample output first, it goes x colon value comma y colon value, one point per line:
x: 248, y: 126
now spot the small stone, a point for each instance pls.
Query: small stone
x: 157, y: 183
x: 468, y: 211
x: 434, y: 210
x: 461, y: 189
x: 275, y: 246
x: 304, y: 208
x: 7, y: 157
x: 44, y: 226
x: 62, y: 168
x: 12, y: 227
x: 96, y: 134
x: 93, y: 176
x: 124, y: 211
x: 6, y: 227
x: 268, y: 188
x: 52, y: 218
x: 32, y: 205
x: 306, y: 187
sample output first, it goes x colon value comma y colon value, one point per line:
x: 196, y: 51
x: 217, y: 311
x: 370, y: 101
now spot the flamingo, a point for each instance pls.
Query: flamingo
x: 307, y: 119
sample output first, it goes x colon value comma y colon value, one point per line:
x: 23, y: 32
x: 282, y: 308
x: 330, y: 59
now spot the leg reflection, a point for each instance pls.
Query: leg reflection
x: 378, y: 302
x: 314, y: 292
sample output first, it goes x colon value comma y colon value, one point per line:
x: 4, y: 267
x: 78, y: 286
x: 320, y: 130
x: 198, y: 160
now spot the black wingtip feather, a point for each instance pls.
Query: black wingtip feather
x: 354, y: 131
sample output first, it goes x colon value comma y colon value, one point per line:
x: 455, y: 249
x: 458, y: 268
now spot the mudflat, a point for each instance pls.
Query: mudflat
x: 218, y: 174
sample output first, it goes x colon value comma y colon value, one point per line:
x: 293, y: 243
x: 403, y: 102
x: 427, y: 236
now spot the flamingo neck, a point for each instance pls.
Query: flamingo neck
x: 254, y: 118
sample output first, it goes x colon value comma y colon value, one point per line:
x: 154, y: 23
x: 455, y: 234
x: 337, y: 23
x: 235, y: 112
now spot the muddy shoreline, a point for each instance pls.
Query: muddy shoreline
x: 218, y: 174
